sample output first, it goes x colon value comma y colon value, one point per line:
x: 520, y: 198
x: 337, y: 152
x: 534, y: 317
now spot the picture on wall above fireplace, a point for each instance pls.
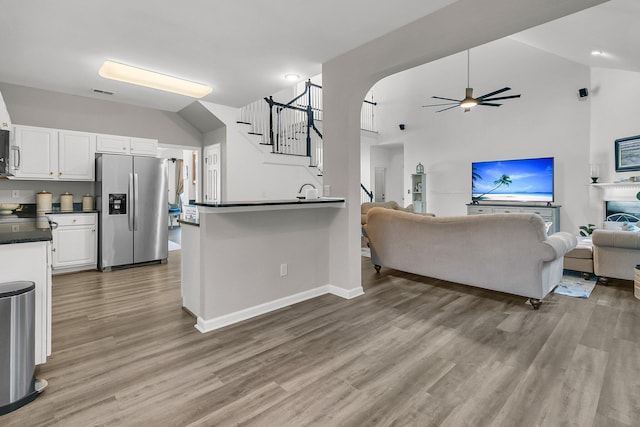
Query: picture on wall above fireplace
x: 628, y: 154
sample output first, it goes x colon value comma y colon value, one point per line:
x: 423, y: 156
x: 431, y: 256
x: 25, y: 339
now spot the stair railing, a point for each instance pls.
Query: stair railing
x: 290, y: 128
x: 365, y: 195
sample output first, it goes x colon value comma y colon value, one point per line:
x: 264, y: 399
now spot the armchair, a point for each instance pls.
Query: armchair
x: 615, y: 254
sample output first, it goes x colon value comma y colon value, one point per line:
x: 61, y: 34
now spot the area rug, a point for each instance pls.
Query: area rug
x: 574, y: 285
x: 365, y: 252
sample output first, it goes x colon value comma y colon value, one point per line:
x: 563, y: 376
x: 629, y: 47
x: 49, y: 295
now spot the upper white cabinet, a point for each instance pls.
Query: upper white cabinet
x: 43, y: 153
x: 144, y: 146
x: 54, y: 154
x: 76, y: 153
x: 112, y: 144
x: 34, y: 152
x: 126, y: 145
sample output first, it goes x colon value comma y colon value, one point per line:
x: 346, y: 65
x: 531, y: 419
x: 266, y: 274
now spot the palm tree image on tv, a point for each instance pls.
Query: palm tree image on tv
x: 475, y: 176
x: 503, y: 180
x: 522, y: 180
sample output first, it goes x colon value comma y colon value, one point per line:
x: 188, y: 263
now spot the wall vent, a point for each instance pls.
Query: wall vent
x: 103, y: 92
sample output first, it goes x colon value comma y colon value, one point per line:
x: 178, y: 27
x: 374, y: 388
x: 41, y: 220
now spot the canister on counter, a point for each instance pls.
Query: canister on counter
x: 66, y: 202
x: 87, y: 202
x: 43, y: 202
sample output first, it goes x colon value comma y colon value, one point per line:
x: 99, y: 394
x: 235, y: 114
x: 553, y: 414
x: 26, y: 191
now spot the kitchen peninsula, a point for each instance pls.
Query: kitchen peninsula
x: 243, y: 259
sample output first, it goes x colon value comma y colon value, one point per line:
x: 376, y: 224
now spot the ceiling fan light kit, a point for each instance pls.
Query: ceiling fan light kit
x: 468, y: 102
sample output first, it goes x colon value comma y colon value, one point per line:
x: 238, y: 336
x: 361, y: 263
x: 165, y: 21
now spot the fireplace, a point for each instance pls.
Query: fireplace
x: 622, y: 211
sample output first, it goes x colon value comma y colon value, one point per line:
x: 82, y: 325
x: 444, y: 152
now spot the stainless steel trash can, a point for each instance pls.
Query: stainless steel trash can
x: 17, y: 345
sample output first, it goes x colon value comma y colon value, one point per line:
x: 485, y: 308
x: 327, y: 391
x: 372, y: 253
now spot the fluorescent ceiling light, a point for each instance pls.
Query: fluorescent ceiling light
x: 137, y: 76
x: 292, y: 77
x: 597, y: 53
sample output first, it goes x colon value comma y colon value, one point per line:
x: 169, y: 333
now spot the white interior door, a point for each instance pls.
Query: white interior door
x: 379, y: 184
x: 212, y: 174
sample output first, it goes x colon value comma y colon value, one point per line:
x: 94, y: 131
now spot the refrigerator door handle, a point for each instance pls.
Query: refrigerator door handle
x: 130, y: 214
x: 135, y: 202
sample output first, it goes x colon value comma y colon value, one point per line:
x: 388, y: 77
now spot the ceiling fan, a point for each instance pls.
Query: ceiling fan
x: 469, y: 101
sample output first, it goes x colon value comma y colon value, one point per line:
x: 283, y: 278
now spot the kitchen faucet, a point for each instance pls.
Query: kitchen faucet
x: 304, y: 185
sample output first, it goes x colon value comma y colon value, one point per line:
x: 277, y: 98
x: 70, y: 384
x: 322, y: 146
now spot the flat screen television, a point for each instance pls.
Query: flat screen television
x: 521, y: 180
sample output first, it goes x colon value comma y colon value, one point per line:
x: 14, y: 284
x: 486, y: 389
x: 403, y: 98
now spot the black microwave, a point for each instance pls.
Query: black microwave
x: 5, y: 153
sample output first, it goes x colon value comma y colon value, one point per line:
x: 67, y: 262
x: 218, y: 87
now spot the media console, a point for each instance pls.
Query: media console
x: 548, y: 213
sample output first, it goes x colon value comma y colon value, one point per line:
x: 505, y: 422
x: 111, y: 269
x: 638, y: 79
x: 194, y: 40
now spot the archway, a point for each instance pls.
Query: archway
x: 347, y: 78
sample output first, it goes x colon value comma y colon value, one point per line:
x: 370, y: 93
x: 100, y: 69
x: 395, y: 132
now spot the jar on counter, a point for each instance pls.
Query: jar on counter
x: 66, y: 202
x: 43, y: 202
x: 87, y: 202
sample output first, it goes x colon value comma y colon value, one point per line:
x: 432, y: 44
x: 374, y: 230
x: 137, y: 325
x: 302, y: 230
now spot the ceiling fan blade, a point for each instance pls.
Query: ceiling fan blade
x: 489, y: 104
x: 504, y: 89
x: 439, y: 105
x: 445, y: 109
x: 446, y: 99
x: 502, y: 97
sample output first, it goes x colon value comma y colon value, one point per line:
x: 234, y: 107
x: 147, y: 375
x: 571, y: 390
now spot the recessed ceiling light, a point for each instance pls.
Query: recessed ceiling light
x: 137, y: 76
x: 597, y: 53
x: 292, y: 77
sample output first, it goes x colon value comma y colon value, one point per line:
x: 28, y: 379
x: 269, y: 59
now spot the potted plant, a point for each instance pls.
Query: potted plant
x: 586, y: 230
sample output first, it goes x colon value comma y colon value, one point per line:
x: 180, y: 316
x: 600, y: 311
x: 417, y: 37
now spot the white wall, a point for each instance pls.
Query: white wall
x: 548, y: 120
x: 28, y: 190
x: 36, y: 107
x: 614, y: 115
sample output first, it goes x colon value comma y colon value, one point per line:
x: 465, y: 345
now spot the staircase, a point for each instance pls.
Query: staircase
x: 293, y: 128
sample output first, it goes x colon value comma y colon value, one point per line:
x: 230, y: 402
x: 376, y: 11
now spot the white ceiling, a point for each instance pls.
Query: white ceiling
x: 243, y: 48
x: 612, y: 27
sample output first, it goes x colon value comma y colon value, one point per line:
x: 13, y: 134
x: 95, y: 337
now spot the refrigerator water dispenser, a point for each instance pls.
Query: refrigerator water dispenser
x: 117, y: 204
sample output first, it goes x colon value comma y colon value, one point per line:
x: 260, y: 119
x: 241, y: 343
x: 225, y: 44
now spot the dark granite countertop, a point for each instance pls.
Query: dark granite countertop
x: 293, y: 202
x: 17, y: 229
x: 193, y: 222
x: 55, y: 212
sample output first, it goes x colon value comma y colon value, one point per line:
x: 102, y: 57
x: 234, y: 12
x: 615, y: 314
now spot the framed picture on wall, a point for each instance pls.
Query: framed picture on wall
x: 628, y: 154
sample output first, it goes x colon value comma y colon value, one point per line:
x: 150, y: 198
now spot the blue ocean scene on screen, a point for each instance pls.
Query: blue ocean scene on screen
x: 523, y: 180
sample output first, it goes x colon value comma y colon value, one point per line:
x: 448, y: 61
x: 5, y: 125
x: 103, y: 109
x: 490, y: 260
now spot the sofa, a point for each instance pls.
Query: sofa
x: 615, y: 254
x: 502, y: 252
x: 365, y: 207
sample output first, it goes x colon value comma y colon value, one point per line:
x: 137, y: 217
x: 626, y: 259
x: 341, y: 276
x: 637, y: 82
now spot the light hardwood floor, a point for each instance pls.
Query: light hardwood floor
x: 413, y: 351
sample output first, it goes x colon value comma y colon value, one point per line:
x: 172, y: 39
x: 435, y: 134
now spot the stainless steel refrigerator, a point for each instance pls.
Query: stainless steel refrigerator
x: 131, y: 197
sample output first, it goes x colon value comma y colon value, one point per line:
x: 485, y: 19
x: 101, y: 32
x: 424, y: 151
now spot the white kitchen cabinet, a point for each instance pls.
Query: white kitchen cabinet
x: 52, y: 154
x: 126, y: 145
x: 34, y: 152
x: 32, y: 262
x: 144, y: 147
x: 112, y: 144
x: 76, y: 154
x: 75, y: 242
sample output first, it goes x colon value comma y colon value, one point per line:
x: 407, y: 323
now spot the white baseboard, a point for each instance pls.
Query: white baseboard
x: 345, y: 293
x: 228, y: 319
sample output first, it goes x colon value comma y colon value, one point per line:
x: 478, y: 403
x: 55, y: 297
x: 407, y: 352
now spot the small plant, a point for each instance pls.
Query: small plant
x: 586, y: 230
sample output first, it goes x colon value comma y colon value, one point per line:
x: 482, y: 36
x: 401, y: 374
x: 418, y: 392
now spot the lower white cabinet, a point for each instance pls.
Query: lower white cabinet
x: 75, y: 242
x: 31, y: 262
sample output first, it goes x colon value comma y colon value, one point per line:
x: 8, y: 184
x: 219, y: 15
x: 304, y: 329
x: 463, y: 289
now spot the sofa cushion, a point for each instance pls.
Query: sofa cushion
x: 581, y: 251
x: 616, y: 238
